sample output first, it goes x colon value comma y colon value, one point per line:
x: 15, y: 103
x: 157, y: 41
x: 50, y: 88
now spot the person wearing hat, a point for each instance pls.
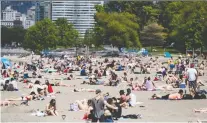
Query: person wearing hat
x: 98, y: 104
x: 192, y: 76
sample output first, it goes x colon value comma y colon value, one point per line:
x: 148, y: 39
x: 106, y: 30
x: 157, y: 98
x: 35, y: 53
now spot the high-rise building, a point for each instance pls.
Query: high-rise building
x: 31, y: 13
x: 79, y: 13
x: 9, y: 14
x: 42, y: 10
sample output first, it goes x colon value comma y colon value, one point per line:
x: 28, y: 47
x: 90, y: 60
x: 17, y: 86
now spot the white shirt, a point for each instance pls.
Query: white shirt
x: 192, y: 73
x: 133, y: 99
x: 35, y: 87
x: 14, y: 83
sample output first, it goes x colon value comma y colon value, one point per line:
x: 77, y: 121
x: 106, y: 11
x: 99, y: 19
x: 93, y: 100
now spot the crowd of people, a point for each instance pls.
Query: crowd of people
x: 174, y: 73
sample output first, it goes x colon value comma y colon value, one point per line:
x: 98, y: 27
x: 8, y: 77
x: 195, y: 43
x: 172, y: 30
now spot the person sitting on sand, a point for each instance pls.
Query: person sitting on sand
x: 130, y: 82
x: 38, y: 89
x: 123, y: 99
x: 113, y: 81
x: 83, y: 72
x: 5, y: 74
x: 174, y: 96
x: 136, y: 87
x: 125, y: 77
x: 51, y: 108
x: 70, y: 77
x: 171, y: 79
x: 148, y: 85
x: 131, y: 98
x: 30, y: 97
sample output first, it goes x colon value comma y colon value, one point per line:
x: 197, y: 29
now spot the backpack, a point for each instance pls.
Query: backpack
x: 10, y: 87
x: 74, y: 107
x: 199, y: 96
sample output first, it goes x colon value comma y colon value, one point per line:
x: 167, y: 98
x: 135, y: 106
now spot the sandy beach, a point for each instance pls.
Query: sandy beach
x: 153, y: 110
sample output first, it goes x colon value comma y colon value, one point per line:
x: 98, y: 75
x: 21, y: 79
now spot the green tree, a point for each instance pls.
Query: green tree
x: 153, y: 35
x: 89, y: 38
x: 14, y: 34
x: 67, y: 35
x: 118, y: 29
x: 145, y: 11
x: 41, y: 36
x: 185, y: 22
x: 17, y: 35
x: 5, y: 36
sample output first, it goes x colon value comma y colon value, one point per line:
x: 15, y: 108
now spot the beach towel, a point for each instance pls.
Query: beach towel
x: 74, y: 107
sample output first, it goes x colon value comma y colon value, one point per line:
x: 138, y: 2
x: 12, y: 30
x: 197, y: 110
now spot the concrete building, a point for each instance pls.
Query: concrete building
x: 7, y: 23
x: 29, y: 22
x: 42, y: 10
x: 31, y: 13
x: 13, y: 18
x: 79, y: 13
x: 9, y: 14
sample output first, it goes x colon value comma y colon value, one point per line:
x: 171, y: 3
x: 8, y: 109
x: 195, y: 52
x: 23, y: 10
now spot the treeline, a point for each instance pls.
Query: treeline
x: 131, y: 24
x: 136, y: 24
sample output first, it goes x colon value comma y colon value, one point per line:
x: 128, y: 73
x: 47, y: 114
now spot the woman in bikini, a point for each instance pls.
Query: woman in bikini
x: 30, y: 97
x: 51, y: 108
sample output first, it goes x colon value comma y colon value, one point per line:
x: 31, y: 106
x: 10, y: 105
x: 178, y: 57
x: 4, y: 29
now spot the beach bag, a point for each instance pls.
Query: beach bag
x: 199, y: 96
x: 74, y: 107
x: 10, y: 87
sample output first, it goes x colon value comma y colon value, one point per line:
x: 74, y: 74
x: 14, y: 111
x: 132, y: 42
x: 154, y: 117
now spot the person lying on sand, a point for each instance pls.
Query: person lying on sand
x: 201, y: 110
x: 32, y: 96
x: 7, y: 103
x: 51, y: 108
x: 29, y: 85
x: 83, y: 90
x: 84, y: 105
x: 56, y: 83
x: 175, y: 96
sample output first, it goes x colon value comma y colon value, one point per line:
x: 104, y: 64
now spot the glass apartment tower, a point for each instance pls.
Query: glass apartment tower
x: 79, y: 13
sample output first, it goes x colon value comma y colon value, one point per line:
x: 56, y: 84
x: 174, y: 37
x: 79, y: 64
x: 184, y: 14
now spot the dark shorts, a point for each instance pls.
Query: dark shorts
x: 165, y: 97
x: 192, y: 84
x: 39, y: 90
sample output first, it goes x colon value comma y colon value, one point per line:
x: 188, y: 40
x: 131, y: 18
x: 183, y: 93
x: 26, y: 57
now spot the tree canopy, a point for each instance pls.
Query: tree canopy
x: 41, y: 36
x: 118, y: 29
x: 67, y: 35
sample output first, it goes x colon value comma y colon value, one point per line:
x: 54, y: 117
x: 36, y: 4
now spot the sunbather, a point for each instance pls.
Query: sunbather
x: 32, y: 96
x: 175, y: 96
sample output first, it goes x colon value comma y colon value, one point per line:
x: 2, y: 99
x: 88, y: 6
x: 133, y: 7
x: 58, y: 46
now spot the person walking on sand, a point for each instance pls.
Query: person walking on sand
x: 98, y: 104
x: 192, y: 77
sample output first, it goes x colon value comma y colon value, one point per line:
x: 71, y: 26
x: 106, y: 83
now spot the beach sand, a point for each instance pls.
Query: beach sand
x: 154, y: 110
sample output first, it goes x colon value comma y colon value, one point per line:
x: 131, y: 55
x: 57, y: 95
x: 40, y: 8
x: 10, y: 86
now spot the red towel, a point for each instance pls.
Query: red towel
x: 50, y: 90
x: 85, y: 117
